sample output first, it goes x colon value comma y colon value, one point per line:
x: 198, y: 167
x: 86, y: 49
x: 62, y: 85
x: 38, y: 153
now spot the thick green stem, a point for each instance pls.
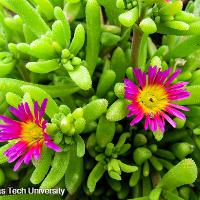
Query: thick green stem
x: 23, y: 71
x: 136, y: 40
x: 71, y: 197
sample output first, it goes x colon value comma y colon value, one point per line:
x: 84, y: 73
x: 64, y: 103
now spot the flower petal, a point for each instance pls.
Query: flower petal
x: 152, y: 74
x: 36, y: 112
x: 53, y: 146
x: 43, y: 108
x: 179, y: 107
x: 28, y: 155
x: 175, y: 112
x: 140, y: 76
x: 168, y: 119
x: 18, y: 163
x: 131, y: 90
x: 137, y: 119
x: 172, y: 77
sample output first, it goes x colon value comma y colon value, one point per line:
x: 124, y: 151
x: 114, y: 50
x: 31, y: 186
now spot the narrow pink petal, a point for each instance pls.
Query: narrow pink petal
x: 175, y: 112
x: 177, y: 92
x: 172, y: 77
x: 130, y: 96
x: 4, y: 138
x: 161, y: 76
x: 147, y: 122
x: 53, y: 146
x: 43, y: 108
x: 21, y: 116
x: 8, y: 120
x: 28, y: 111
x: 46, y: 137
x: 168, y: 119
x: 4, y: 126
x: 36, y: 112
x: 131, y: 90
x: 18, y: 163
x: 132, y: 106
x: 176, y: 86
x: 158, y: 75
x: 22, y: 110
x: 160, y: 123
x: 151, y: 74
x: 44, y: 123
x: 179, y: 107
x: 28, y: 155
x: 134, y: 109
x: 16, y: 155
x: 13, y: 148
x: 143, y: 77
x: 140, y: 76
x: 130, y: 85
x: 137, y: 119
x: 179, y: 96
x: 153, y: 124
x: 37, y: 151
x: 16, y: 149
x: 10, y: 128
x: 133, y: 112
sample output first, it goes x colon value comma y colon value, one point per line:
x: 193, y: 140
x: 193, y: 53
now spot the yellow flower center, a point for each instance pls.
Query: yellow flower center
x: 31, y: 132
x: 152, y: 99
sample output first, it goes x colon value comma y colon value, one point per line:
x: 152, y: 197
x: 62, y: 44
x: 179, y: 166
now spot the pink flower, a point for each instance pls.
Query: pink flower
x: 29, y: 133
x: 154, y: 97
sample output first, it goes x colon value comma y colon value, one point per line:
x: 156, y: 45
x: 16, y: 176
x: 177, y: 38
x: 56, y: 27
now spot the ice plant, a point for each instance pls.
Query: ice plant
x: 29, y: 133
x: 154, y: 97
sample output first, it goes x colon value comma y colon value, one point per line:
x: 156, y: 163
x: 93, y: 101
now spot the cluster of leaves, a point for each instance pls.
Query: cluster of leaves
x: 76, y: 53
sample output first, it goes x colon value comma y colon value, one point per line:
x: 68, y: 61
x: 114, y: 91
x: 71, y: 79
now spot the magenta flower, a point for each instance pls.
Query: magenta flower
x: 29, y: 133
x: 154, y: 98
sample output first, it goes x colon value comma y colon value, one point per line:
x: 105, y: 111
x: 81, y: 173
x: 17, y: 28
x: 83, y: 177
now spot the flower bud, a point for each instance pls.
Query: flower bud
x: 78, y: 113
x: 129, y: 18
x: 66, y: 124
x: 76, y: 61
x: 120, y: 4
x: 119, y: 90
x: 95, y: 109
x: 65, y: 53
x: 139, y: 140
x: 51, y: 128
x: 64, y: 109
x: 141, y: 154
x: 181, y: 150
x: 85, y: 81
x: 79, y: 125
x: 148, y: 26
x: 68, y: 66
x: 117, y: 111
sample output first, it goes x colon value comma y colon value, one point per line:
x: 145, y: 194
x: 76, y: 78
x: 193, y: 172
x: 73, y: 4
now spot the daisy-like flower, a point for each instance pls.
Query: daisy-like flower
x: 154, y: 97
x: 29, y: 133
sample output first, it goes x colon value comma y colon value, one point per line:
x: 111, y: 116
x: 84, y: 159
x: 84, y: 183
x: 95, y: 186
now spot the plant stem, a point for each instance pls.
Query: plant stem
x: 136, y: 40
x: 23, y: 71
x: 71, y: 197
